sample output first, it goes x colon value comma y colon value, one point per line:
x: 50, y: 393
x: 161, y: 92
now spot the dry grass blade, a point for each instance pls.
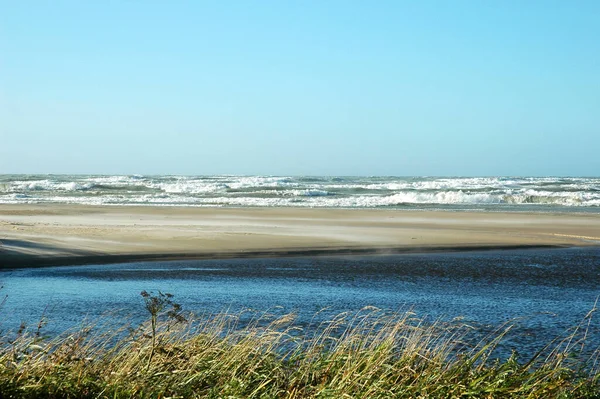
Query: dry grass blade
x: 369, y: 354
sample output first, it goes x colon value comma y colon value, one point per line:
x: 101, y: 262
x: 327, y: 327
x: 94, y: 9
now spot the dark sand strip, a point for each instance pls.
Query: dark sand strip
x: 10, y: 261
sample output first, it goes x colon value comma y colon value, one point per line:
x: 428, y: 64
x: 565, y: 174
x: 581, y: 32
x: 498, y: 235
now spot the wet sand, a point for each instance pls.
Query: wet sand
x: 39, y: 235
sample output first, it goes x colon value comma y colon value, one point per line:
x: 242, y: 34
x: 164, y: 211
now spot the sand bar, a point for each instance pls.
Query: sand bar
x: 38, y: 235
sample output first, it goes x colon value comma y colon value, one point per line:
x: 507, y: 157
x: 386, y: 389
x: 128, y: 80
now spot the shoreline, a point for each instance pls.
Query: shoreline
x: 29, y: 261
x: 53, y: 235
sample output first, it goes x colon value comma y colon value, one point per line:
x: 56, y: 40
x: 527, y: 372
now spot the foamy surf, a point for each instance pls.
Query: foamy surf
x: 490, y: 193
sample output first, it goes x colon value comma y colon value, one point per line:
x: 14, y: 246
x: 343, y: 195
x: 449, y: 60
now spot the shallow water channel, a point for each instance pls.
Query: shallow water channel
x: 542, y: 292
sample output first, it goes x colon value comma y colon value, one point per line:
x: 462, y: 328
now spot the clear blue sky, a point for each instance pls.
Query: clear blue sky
x: 308, y: 87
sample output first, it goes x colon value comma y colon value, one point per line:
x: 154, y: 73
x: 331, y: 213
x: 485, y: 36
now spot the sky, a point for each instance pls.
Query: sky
x: 445, y: 88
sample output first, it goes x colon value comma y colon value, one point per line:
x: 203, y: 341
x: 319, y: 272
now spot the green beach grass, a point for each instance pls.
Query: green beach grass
x: 369, y: 354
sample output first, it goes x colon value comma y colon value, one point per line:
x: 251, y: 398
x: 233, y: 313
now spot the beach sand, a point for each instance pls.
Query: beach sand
x: 38, y: 235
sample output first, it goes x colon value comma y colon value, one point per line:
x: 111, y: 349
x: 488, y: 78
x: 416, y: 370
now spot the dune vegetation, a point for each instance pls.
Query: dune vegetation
x: 369, y: 354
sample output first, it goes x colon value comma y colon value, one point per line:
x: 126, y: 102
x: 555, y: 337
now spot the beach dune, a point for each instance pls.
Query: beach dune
x: 54, y: 234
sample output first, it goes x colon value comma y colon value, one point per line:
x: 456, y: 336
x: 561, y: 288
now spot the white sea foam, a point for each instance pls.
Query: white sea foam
x: 48, y: 185
x: 259, y: 181
x: 346, y: 192
x: 190, y: 187
x: 316, y: 193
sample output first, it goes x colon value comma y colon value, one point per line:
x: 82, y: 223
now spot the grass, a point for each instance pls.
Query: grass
x: 368, y: 354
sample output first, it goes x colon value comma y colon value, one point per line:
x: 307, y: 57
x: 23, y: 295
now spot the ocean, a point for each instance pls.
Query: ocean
x: 544, y: 194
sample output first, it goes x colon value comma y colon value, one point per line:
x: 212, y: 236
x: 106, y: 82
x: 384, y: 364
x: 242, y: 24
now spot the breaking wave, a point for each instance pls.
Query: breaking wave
x: 306, y: 191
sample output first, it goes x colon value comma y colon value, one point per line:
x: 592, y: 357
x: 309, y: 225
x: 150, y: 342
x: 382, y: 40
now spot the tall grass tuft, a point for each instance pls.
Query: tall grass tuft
x: 369, y: 354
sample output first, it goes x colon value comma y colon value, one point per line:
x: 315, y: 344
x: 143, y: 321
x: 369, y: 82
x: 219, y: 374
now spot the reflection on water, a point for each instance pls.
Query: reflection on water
x: 548, y: 291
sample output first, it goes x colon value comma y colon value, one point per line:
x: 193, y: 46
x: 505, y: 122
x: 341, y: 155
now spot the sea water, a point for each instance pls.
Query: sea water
x: 580, y: 194
x: 543, y: 293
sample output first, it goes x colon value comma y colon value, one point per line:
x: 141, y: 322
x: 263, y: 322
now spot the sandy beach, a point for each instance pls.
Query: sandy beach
x: 37, y: 235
